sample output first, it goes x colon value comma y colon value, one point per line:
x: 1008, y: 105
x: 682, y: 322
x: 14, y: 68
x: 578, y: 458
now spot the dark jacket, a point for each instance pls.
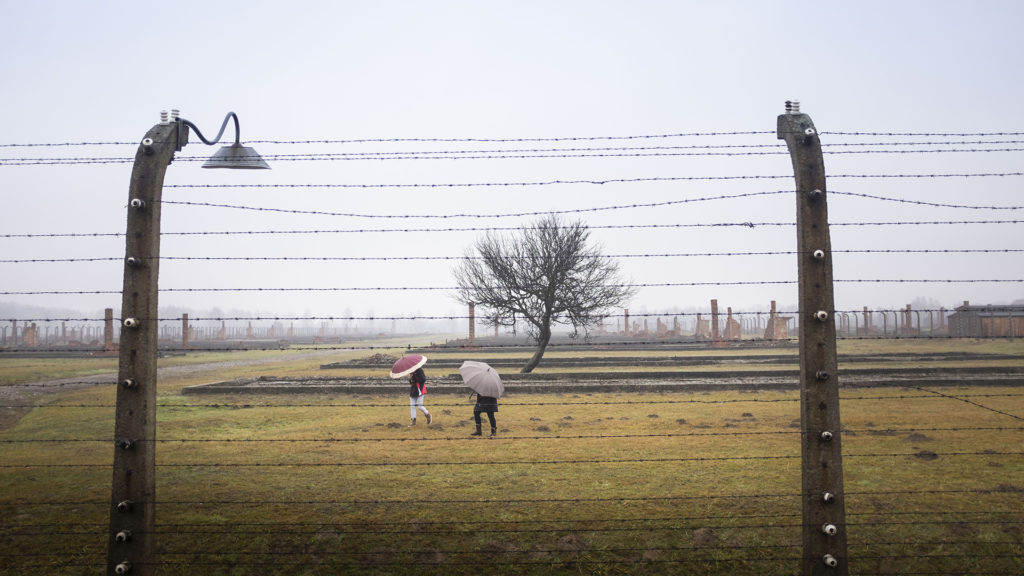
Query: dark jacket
x: 417, y: 383
x: 485, y: 404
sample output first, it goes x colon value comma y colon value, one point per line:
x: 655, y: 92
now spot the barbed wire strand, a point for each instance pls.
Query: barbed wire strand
x: 747, y: 224
x: 900, y: 251
x: 513, y: 154
x: 455, y: 347
x: 678, y: 313
x: 889, y: 134
x: 503, y: 438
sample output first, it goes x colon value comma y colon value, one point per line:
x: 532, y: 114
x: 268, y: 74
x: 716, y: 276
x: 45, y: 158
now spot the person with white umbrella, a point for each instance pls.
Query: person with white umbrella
x: 488, y: 405
x: 486, y: 383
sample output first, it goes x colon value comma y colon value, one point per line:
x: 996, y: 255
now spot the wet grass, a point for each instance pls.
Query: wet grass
x: 573, y: 484
x: 21, y: 370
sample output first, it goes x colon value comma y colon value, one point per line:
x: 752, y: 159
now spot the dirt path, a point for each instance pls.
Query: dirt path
x: 16, y: 400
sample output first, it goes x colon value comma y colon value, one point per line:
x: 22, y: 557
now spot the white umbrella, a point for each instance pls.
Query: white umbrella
x: 483, y: 379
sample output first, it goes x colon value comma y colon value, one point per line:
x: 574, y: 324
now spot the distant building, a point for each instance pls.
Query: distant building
x: 777, y: 326
x: 990, y: 321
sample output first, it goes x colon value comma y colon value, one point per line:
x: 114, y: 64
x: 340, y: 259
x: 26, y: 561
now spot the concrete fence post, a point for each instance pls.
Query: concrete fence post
x: 824, y: 515
x: 184, y: 332
x: 131, y: 547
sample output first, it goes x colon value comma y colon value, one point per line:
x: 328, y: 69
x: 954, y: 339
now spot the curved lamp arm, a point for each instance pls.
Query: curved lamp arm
x: 231, y: 115
x: 233, y: 156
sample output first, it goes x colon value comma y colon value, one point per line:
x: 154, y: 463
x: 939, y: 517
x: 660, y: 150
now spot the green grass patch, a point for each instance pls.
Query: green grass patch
x: 573, y: 484
x: 21, y: 370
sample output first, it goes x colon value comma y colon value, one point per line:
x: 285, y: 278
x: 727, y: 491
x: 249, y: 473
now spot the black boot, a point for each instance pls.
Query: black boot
x: 478, y: 432
x: 494, y: 430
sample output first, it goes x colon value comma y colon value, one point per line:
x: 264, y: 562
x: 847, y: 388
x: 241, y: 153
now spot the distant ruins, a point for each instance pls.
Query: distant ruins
x: 966, y: 321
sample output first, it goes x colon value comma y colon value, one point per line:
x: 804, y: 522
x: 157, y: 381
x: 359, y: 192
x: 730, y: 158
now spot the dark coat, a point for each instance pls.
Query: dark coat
x: 485, y: 404
x: 417, y: 383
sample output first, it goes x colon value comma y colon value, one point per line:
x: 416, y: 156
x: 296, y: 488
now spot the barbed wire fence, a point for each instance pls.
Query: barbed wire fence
x: 312, y: 500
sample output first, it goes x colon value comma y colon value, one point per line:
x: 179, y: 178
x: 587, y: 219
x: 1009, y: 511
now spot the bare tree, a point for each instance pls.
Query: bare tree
x: 545, y: 274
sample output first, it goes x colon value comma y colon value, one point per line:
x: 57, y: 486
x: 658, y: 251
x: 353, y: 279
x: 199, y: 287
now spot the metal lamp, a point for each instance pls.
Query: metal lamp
x: 235, y: 156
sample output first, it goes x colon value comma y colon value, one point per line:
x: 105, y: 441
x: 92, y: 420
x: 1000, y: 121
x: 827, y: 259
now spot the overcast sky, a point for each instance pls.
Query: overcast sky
x: 608, y: 85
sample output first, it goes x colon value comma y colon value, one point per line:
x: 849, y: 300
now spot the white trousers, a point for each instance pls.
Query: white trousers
x: 415, y: 403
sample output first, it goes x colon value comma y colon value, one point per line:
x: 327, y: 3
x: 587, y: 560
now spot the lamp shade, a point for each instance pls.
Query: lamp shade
x: 238, y: 157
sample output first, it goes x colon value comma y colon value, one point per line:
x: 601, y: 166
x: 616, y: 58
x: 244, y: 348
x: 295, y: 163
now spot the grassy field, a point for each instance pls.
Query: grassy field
x: 572, y: 484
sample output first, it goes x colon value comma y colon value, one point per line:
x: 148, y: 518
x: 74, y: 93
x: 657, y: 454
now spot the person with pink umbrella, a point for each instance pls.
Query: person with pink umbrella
x: 412, y: 365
